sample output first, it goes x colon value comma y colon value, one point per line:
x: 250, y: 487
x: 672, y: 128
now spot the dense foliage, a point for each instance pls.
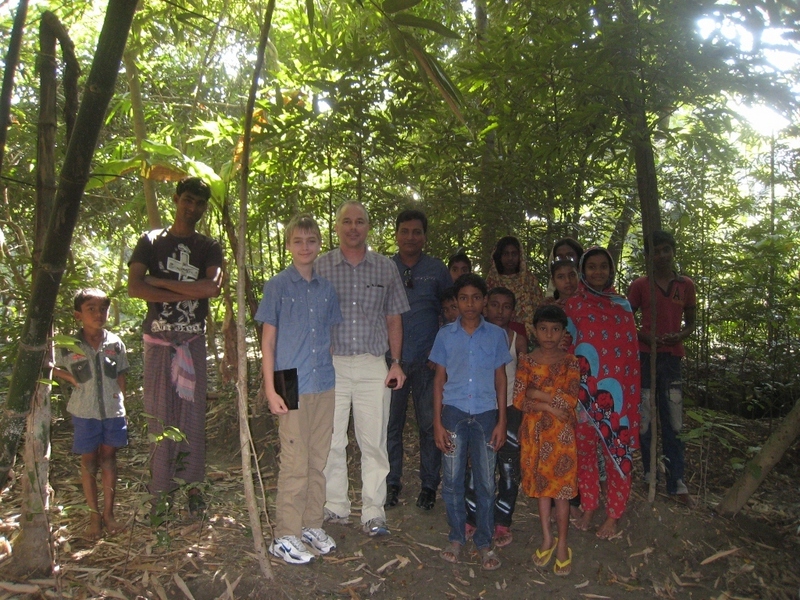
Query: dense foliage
x: 494, y: 117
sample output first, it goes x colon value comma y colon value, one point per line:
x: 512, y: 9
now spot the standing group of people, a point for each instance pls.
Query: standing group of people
x: 544, y: 390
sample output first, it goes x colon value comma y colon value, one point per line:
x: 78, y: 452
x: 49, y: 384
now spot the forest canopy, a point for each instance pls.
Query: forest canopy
x: 495, y: 118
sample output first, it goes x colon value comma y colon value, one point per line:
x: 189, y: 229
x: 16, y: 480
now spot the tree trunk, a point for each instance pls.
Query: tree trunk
x: 617, y: 240
x: 759, y: 467
x: 12, y: 58
x: 72, y: 181
x: 140, y: 131
x: 245, y: 438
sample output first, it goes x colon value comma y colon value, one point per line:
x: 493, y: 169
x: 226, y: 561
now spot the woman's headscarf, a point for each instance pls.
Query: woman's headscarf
x: 523, y: 283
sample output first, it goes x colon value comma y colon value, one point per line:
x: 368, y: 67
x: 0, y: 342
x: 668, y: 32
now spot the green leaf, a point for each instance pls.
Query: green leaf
x: 161, y: 149
x: 393, y: 6
x: 421, y: 23
x: 108, y: 172
x: 310, y: 13
x: 488, y: 129
x: 67, y: 341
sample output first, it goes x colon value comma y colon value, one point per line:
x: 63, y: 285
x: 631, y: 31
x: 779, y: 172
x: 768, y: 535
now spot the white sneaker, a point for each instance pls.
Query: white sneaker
x: 331, y: 517
x: 291, y: 549
x: 375, y: 527
x: 319, y: 539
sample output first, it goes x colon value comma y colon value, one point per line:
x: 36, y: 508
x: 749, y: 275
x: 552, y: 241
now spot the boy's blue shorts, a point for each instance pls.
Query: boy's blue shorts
x: 90, y: 433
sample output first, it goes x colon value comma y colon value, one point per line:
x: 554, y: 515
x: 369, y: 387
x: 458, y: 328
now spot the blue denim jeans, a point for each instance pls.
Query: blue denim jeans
x: 470, y: 435
x: 669, y: 401
x: 508, y: 470
x: 419, y: 383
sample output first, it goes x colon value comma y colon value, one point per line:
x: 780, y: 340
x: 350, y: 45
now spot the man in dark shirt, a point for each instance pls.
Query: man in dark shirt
x: 424, y: 280
x: 176, y: 270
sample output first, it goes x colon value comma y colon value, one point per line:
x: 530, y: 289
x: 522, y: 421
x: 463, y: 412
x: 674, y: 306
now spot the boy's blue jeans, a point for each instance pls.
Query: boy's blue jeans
x: 470, y: 435
x: 669, y: 401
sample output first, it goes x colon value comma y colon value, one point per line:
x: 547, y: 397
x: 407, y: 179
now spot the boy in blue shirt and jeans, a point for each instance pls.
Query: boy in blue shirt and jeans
x: 298, y: 310
x: 469, y: 414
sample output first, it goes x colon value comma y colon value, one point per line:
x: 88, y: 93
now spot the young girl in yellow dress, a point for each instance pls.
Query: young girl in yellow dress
x: 547, y: 435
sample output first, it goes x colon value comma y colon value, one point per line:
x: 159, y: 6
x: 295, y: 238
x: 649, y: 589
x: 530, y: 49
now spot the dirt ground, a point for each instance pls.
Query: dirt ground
x: 665, y: 550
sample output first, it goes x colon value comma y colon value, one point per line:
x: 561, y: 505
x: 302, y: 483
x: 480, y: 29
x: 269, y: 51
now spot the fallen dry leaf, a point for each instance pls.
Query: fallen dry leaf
x: 718, y: 555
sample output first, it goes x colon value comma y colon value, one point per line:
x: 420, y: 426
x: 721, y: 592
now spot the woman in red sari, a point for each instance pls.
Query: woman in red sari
x: 606, y: 346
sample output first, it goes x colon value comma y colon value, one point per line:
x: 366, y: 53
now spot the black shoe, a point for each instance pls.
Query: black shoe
x: 392, y: 496
x: 426, y: 498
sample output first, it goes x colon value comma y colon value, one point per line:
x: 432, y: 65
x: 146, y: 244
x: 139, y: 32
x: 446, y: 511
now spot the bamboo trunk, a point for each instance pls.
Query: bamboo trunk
x: 245, y: 438
x: 759, y: 467
x: 10, y: 69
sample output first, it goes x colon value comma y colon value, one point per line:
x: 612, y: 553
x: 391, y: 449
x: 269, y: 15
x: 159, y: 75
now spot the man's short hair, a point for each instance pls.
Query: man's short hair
x: 503, y: 291
x: 303, y: 222
x: 411, y: 214
x: 82, y: 296
x: 193, y: 185
x: 470, y: 279
x: 660, y: 237
x: 550, y: 313
x: 348, y: 203
x: 458, y: 257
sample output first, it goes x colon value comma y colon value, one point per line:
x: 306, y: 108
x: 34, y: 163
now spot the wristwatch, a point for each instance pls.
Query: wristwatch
x: 397, y: 361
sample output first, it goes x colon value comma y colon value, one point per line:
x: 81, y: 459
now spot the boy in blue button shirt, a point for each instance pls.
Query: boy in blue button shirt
x: 298, y: 310
x: 469, y: 418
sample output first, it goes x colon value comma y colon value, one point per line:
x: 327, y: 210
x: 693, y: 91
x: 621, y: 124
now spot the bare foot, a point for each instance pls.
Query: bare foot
x: 95, y: 528
x: 584, y: 522
x: 608, y: 529
x: 112, y: 525
x: 575, y: 513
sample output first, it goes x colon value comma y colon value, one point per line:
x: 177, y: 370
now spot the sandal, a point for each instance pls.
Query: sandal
x: 542, y: 559
x: 469, y: 531
x: 489, y: 560
x: 451, y: 554
x: 564, y: 568
x: 502, y: 536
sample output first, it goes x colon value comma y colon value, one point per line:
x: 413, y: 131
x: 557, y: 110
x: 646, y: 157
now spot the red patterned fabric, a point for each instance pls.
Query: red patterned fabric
x: 605, y: 342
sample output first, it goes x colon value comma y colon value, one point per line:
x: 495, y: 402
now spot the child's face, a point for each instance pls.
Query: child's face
x: 566, y: 281
x: 470, y: 302
x: 457, y: 269
x: 93, y: 314
x: 304, y: 246
x: 597, y: 271
x: 450, y: 310
x: 499, y: 309
x: 548, y: 334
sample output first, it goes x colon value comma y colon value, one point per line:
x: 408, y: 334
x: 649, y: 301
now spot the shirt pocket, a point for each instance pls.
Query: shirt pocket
x: 297, y: 313
x: 81, y: 371
x: 372, y: 301
x: 110, y: 366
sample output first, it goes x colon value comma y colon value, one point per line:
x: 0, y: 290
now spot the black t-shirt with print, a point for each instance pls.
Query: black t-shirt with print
x: 167, y: 256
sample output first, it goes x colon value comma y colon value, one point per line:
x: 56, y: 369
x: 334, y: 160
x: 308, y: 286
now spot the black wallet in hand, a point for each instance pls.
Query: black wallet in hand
x: 287, y: 387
